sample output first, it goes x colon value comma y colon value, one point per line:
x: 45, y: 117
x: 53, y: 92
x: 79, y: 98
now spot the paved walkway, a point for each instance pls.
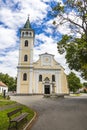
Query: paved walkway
x: 57, y: 114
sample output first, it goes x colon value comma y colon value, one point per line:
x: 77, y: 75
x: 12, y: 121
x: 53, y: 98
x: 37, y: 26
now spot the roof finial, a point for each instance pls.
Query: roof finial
x: 27, y: 24
x: 28, y: 16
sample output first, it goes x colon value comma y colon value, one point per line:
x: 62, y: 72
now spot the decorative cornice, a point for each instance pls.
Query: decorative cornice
x: 25, y: 67
x: 46, y: 54
x: 46, y: 69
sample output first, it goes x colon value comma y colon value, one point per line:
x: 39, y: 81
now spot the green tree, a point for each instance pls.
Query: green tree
x: 75, y: 48
x: 73, y: 82
x: 9, y: 81
x: 85, y: 84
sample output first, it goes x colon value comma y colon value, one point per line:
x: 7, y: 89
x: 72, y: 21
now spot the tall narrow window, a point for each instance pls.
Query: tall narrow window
x: 53, y: 77
x: 26, y: 42
x: 25, y: 58
x: 26, y: 33
x: 40, y: 78
x: 24, y: 76
x: 22, y: 34
x: 30, y: 34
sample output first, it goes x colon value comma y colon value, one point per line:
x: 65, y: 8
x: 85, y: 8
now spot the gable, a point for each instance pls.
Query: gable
x: 47, y: 61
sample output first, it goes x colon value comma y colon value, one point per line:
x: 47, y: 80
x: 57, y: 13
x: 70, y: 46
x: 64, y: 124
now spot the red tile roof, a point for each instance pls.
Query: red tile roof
x: 2, y: 84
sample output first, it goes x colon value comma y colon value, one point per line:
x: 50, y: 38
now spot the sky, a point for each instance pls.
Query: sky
x: 13, y: 15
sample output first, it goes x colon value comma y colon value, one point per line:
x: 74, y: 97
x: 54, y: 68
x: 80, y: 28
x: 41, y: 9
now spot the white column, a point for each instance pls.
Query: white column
x: 18, y: 82
x: 30, y: 80
x: 31, y: 56
x: 43, y: 88
x: 20, y: 53
x: 31, y: 53
x: 60, y: 89
x: 36, y: 82
x: 50, y: 88
x: 57, y: 80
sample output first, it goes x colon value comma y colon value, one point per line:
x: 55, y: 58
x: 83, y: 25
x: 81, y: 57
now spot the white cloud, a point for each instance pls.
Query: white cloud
x: 49, y: 45
x: 36, y: 9
x: 13, y: 15
x: 12, y: 19
x: 6, y: 17
x: 9, y: 63
x: 8, y: 38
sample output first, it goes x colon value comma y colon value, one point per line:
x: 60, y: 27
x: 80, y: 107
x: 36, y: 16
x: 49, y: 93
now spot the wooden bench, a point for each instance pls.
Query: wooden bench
x: 16, y: 116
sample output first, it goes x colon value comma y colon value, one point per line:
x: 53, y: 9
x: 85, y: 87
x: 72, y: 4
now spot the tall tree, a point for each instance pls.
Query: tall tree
x: 74, y: 13
x: 85, y: 84
x: 73, y: 82
x: 9, y: 81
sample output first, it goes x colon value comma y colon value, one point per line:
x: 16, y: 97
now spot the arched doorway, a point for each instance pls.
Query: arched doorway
x: 46, y: 86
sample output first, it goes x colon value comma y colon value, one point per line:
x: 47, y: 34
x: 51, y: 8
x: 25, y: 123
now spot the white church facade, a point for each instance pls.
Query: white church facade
x: 44, y: 76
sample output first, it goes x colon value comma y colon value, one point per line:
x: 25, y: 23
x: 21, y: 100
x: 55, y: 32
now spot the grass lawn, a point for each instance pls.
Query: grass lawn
x: 4, y: 120
x: 76, y: 94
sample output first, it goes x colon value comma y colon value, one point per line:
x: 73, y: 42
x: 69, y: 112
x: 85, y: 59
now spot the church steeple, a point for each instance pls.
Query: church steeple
x: 27, y: 31
x: 27, y: 24
x: 25, y: 64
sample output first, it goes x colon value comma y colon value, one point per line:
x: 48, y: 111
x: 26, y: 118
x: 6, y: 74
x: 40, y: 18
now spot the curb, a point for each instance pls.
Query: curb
x: 28, y: 126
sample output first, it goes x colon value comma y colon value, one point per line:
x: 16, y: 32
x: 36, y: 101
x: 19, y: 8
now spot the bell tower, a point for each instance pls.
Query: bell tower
x: 25, y: 63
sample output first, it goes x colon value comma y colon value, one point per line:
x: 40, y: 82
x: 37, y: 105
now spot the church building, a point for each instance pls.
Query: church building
x: 45, y: 76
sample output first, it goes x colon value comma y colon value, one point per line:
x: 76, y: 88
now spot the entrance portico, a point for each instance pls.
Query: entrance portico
x: 47, y: 86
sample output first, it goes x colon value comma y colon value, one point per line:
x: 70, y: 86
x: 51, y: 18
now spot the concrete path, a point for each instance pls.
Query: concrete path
x: 57, y: 114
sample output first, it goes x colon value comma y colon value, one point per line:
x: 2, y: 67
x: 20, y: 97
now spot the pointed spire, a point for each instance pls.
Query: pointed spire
x: 27, y: 24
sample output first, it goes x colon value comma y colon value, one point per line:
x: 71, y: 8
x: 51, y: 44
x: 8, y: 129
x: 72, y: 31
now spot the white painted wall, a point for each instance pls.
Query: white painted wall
x: 3, y: 88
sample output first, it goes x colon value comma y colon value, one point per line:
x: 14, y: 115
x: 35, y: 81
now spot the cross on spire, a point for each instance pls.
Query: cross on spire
x: 27, y: 24
x: 28, y: 16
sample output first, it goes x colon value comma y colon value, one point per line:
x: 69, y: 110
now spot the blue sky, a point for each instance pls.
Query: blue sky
x: 13, y: 15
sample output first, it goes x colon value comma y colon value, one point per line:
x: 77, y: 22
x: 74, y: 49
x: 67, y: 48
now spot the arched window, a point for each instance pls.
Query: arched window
x: 24, y: 76
x: 53, y: 77
x: 26, y: 33
x: 26, y: 42
x: 40, y: 78
x: 22, y: 34
x: 30, y: 33
x: 25, y: 58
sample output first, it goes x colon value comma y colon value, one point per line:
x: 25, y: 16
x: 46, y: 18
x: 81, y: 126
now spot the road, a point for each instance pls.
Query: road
x: 57, y: 114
